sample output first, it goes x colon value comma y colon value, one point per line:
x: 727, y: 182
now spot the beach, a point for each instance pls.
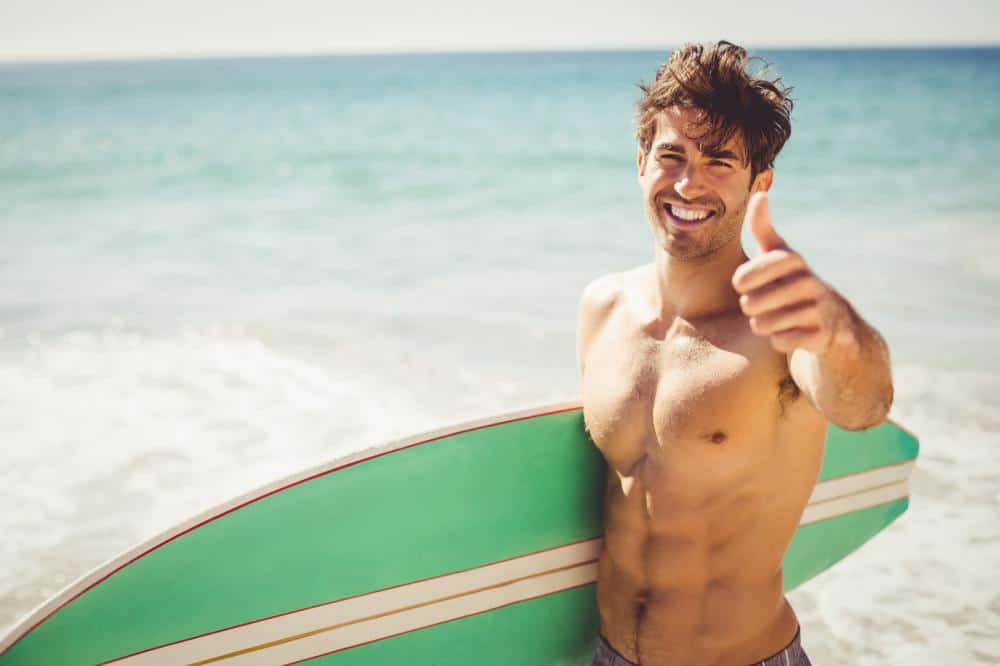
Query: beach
x: 214, y: 273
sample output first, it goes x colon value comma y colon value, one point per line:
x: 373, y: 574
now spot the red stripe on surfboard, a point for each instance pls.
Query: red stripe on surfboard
x: 355, y: 596
x: 265, y: 496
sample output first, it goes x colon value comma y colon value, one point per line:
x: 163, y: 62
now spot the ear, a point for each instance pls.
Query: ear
x: 763, y: 181
x: 641, y: 161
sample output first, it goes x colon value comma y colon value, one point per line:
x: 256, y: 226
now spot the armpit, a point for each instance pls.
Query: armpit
x: 788, y: 392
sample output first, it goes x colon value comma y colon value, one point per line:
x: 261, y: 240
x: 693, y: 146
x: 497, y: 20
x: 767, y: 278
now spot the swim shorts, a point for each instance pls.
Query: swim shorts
x: 791, y: 655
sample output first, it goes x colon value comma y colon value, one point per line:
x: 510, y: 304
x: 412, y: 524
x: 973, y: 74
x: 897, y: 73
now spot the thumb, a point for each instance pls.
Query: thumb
x: 759, y: 218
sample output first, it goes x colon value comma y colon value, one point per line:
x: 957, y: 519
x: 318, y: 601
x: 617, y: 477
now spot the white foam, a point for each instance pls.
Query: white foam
x: 925, y: 590
x: 112, y: 437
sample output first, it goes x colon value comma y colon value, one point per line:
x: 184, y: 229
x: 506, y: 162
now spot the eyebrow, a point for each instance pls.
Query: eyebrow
x: 707, y: 152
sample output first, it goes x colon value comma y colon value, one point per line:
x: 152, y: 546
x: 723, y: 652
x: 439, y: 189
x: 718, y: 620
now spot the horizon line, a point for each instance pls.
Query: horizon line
x: 252, y: 55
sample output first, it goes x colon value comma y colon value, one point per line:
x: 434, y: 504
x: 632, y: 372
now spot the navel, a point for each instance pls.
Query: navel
x: 718, y: 437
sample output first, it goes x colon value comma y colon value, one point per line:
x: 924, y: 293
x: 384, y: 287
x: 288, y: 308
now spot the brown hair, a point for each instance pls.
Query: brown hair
x: 715, y: 82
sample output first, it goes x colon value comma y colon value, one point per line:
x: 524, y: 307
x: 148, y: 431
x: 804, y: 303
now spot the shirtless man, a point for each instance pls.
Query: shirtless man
x: 708, y: 381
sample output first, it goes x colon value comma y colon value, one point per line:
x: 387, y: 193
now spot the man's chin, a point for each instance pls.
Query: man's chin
x: 687, y: 252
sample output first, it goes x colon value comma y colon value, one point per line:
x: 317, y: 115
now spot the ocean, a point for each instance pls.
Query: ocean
x: 214, y: 273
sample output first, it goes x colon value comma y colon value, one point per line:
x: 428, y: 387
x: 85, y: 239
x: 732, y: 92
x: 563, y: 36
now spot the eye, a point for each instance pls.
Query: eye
x: 671, y: 156
x: 721, y: 163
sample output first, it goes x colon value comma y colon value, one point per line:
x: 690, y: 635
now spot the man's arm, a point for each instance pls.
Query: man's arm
x: 850, y: 382
x: 837, y: 359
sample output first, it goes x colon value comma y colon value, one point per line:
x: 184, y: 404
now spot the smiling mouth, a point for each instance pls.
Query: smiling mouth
x: 684, y: 216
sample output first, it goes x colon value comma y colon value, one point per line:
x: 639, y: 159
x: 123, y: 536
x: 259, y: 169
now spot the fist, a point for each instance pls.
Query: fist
x: 780, y: 294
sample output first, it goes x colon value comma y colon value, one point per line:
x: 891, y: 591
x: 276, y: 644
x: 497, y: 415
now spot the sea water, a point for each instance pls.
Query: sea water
x: 217, y: 272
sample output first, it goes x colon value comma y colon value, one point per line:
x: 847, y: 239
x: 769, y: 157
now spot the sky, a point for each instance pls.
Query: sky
x: 124, y: 29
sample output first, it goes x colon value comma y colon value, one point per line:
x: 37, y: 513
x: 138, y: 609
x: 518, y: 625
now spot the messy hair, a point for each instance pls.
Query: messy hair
x: 715, y: 82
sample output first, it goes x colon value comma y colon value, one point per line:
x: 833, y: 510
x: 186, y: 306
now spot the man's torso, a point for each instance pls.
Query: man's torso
x: 712, y: 455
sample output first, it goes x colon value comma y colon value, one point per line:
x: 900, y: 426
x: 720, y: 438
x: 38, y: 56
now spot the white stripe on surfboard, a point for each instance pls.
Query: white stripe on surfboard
x: 856, y: 502
x: 859, y: 491
x: 349, y: 622
x: 418, y: 618
x: 852, y: 483
x: 368, y: 617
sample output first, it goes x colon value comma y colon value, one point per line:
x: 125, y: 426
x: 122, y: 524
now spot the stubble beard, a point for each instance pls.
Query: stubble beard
x: 685, y: 247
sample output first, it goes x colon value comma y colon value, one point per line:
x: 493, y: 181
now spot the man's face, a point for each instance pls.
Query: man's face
x: 695, y: 200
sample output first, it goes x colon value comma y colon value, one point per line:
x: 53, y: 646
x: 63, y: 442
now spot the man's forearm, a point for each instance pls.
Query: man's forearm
x: 851, y: 381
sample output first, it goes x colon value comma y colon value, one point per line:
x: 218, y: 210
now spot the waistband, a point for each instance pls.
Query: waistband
x: 790, y: 655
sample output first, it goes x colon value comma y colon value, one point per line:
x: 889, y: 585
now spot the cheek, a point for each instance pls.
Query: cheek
x: 661, y: 179
x: 744, y: 184
x: 737, y: 209
x: 652, y: 182
x: 735, y: 192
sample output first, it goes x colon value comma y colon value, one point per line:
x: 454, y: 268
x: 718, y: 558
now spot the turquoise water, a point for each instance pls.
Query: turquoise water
x: 345, y: 196
x: 213, y: 272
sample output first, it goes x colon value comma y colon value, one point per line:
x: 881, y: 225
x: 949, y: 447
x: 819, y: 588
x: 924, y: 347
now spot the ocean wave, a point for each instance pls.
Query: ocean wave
x: 113, y: 436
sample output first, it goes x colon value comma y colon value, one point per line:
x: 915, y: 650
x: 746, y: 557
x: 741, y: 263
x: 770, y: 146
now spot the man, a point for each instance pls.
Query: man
x: 708, y: 381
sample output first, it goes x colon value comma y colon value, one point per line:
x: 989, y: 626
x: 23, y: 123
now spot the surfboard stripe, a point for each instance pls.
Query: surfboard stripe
x: 855, y: 502
x: 851, y: 483
x: 354, y: 621
x: 400, y: 621
x: 855, y: 492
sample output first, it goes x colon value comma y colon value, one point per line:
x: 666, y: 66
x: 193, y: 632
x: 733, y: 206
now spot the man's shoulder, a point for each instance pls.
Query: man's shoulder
x: 597, y: 301
x: 602, y: 293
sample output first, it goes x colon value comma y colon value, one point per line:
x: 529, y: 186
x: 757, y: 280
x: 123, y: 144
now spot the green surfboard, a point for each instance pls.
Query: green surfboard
x: 473, y: 544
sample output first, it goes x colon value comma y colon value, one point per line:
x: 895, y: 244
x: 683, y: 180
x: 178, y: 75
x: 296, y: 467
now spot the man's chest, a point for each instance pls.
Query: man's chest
x: 645, y: 396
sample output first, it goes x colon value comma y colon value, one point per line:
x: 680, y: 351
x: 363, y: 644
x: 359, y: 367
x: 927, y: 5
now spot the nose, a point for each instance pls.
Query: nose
x: 689, y: 186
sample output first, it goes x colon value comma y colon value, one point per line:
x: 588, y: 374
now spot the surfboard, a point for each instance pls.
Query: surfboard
x: 474, y: 544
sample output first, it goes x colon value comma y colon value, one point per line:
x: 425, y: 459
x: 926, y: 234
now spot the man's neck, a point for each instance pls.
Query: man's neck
x: 698, y: 288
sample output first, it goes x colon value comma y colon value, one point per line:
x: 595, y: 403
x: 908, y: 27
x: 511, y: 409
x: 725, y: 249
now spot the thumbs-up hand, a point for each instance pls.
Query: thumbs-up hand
x: 780, y: 294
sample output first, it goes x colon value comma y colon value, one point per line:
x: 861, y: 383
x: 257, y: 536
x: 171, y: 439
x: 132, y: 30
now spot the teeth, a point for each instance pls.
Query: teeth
x: 688, y: 213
